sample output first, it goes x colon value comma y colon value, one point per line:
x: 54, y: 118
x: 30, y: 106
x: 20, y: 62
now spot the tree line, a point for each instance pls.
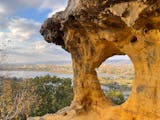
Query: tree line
x: 22, y: 98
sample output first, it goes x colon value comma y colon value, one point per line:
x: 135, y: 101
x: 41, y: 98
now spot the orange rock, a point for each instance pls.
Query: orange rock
x: 94, y: 30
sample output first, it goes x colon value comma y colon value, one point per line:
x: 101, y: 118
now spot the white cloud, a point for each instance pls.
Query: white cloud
x: 54, y: 6
x: 2, y: 9
x: 3, y: 22
x: 23, y: 29
x: 5, y: 40
x: 11, y: 7
x: 3, y: 17
x: 8, y: 8
x: 30, y: 54
x: 20, y: 40
x: 40, y: 45
x: 28, y: 58
x: 57, y: 9
x: 119, y: 57
x: 20, y: 29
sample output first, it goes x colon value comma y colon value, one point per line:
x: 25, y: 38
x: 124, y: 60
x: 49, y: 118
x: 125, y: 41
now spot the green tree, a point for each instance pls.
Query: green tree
x: 53, y: 94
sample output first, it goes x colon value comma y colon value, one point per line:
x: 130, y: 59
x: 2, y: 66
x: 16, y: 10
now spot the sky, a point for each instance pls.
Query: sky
x: 20, y: 40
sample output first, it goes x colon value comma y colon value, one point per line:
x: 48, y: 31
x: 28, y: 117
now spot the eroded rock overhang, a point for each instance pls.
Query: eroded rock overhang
x: 94, y: 30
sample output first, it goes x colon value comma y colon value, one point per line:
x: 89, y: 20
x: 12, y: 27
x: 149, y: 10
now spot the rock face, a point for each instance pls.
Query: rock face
x: 94, y: 30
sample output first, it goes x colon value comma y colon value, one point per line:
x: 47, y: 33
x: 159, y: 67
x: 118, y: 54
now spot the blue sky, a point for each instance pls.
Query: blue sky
x: 20, y: 41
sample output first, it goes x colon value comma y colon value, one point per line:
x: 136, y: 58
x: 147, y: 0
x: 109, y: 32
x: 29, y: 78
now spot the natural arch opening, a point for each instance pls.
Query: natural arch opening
x: 115, y: 75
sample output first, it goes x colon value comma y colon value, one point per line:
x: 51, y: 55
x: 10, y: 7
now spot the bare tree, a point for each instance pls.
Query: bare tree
x: 16, y: 101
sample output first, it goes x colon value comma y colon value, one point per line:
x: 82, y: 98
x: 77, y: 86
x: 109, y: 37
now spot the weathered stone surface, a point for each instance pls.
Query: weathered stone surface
x: 94, y: 30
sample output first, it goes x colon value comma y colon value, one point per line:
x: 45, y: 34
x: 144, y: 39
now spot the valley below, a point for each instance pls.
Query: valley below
x: 114, y: 75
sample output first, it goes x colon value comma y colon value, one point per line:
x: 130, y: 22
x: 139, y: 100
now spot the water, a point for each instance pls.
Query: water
x: 32, y: 74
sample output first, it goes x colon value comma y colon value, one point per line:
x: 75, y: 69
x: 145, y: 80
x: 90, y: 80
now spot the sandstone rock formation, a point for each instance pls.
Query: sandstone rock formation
x: 94, y: 30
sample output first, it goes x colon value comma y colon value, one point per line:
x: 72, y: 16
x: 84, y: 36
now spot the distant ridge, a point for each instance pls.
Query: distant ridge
x: 109, y: 61
x: 41, y: 62
x: 126, y: 61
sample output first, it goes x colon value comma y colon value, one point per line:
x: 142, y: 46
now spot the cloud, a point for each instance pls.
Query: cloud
x: 30, y: 54
x: 54, y: 6
x: 16, y: 5
x: 25, y: 58
x: 8, y: 8
x: 3, y: 22
x: 40, y: 45
x: 20, y: 40
x: 43, y: 47
x: 20, y: 32
x: 6, y: 40
x: 20, y: 29
x: 23, y: 29
x: 59, y: 8
x: 3, y: 17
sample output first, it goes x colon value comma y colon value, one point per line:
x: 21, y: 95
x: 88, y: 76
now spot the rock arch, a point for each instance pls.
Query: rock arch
x: 94, y: 30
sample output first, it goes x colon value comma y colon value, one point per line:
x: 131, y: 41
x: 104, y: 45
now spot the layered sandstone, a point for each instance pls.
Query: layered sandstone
x: 94, y: 30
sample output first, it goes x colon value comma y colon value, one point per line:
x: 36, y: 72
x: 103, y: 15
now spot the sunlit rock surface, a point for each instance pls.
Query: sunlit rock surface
x: 94, y: 30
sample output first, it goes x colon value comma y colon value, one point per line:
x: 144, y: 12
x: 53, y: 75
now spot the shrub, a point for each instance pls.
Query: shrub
x: 115, y: 96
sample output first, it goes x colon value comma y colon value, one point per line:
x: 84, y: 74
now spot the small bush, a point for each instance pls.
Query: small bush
x: 115, y: 96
